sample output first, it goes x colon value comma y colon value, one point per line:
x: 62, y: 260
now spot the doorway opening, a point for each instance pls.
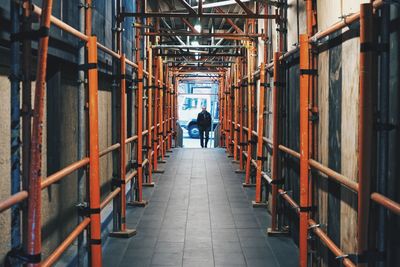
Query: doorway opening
x: 192, y: 96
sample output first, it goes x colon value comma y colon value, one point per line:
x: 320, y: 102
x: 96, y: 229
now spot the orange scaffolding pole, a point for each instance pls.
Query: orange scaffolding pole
x: 94, y: 179
x: 305, y: 84
x: 275, y: 141
x: 150, y: 91
x: 260, y: 132
x: 34, y: 240
x: 249, y: 113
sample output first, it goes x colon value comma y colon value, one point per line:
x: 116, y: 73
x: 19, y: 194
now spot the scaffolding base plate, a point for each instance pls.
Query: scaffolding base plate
x: 230, y: 156
x: 248, y: 185
x: 166, y: 156
x: 142, y: 203
x: 123, y: 234
x: 152, y: 184
x: 259, y: 204
x: 240, y: 171
x: 158, y: 171
x: 161, y: 161
x: 271, y: 232
x: 235, y: 161
x: 170, y: 151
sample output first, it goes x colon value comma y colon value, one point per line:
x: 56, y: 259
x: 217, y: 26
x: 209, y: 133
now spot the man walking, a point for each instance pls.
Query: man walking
x: 204, y: 124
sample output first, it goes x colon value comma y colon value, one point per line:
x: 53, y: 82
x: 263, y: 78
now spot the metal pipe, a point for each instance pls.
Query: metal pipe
x: 139, y: 103
x: 249, y: 111
x: 386, y: 202
x: 26, y: 108
x: 383, y: 136
x: 94, y: 182
x: 329, y: 243
x: 305, y: 86
x: 57, y: 253
x: 34, y: 244
x: 110, y: 197
x: 82, y: 136
x: 365, y: 130
x: 275, y: 142
x: 15, y: 156
x: 149, y: 113
x: 13, y: 200
x: 122, y: 138
x: 109, y: 149
x: 57, y: 176
x: 342, y: 24
x: 341, y: 179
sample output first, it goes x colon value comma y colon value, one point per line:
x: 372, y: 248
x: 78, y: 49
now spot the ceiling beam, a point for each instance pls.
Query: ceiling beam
x: 229, y: 21
x: 203, y: 15
x: 187, y: 6
x: 197, y: 46
x: 244, y: 7
x: 189, y: 25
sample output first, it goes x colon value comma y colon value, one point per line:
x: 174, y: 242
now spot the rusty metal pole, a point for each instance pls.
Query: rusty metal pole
x: 34, y: 240
x: 94, y: 179
x: 305, y: 84
x: 260, y: 132
x: 365, y: 126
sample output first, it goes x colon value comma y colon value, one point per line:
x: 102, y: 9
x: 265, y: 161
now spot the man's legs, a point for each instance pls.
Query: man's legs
x: 201, y: 132
x: 207, y: 135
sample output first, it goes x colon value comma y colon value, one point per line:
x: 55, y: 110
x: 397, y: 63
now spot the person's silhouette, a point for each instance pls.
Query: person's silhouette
x: 204, y: 124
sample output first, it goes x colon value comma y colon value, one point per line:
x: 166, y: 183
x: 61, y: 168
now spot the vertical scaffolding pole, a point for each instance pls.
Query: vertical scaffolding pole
x: 139, y: 161
x: 161, y: 109
x: 149, y: 117
x: 365, y: 127
x: 260, y: 132
x: 26, y: 108
x: 305, y: 83
x: 34, y: 239
x: 94, y: 179
x: 249, y: 113
x: 236, y: 111
x: 156, y: 114
x: 241, y: 121
x: 15, y: 126
x: 275, y: 141
x: 122, y: 231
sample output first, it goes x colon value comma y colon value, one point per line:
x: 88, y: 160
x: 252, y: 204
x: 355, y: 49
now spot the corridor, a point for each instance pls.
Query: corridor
x: 199, y: 215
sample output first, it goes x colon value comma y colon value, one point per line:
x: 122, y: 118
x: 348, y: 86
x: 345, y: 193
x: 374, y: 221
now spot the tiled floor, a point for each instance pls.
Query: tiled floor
x: 199, y: 215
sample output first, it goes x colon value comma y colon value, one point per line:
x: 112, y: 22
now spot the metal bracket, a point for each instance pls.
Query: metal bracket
x: 22, y: 257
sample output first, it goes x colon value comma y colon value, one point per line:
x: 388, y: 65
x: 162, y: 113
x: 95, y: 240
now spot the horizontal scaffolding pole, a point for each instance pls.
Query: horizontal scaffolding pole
x: 197, y: 46
x: 200, y: 55
x: 196, y: 15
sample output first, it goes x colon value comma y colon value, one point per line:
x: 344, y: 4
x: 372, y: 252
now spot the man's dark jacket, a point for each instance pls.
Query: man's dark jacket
x: 204, y: 121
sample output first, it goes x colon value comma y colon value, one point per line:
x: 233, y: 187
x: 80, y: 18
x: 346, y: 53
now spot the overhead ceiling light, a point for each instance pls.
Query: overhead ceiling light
x: 197, y: 27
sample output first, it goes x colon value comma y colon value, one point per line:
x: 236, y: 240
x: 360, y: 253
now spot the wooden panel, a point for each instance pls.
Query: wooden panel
x: 349, y: 142
x: 335, y: 144
x: 321, y: 184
